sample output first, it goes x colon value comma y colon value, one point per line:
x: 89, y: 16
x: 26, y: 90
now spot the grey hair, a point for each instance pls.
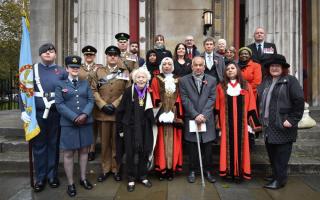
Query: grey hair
x: 143, y: 70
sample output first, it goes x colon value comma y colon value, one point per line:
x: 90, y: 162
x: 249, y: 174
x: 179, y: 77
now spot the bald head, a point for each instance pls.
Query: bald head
x: 189, y: 41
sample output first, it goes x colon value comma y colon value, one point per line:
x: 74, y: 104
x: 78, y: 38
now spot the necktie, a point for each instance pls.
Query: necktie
x: 74, y: 81
x: 209, y: 61
x: 189, y: 53
x: 259, y: 50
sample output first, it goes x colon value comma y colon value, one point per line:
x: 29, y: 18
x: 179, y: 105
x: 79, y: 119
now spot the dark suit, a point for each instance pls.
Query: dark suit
x: 71, y: 101
x: 267, y: 51
x: 196, y: 103
x: 217, y: 68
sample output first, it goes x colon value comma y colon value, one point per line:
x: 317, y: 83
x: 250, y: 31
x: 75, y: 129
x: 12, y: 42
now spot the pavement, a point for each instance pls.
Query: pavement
x: 17, y: 187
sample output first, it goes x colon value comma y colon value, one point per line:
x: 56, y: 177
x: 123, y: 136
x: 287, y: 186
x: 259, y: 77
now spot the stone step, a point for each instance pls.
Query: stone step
x: 12, y: 162
x: 315, y: 113
x: 305, y: 147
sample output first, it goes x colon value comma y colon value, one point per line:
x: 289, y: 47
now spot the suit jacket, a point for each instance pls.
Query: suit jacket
x: 267, y: 51
x: 196, y: 103
x: 73, y: 100
x: 217, y: 68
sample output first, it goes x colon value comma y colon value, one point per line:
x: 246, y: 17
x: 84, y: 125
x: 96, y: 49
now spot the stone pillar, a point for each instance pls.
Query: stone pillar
x: 315, y: 53
x: 282, y: 22
x: 98, y: 22
x: 42, y: 25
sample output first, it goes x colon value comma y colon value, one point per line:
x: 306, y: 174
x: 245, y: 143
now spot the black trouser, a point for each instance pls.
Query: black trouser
x: 136, y: 165
x: 279, y: 155
x: 206, y: 153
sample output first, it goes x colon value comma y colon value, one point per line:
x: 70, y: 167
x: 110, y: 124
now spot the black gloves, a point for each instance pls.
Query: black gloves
x: 109, y: 109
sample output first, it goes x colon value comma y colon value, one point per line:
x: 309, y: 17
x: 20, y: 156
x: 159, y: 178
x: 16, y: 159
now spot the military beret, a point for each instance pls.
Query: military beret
x: 46, y: 47
x: 122, y: 36
x: 89, y: 50
x: 73, y: 61
x: 112, y: 50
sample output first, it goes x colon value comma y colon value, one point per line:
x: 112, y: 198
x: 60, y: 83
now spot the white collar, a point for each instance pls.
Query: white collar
x: 234, y: 88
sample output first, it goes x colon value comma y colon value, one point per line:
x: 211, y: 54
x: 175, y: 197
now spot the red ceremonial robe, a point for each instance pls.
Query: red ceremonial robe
x: 160, y: 157
x: 234, y: 113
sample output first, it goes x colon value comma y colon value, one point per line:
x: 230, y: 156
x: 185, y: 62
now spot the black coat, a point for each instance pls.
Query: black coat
x: 286, y: 103
x: 126, y: 123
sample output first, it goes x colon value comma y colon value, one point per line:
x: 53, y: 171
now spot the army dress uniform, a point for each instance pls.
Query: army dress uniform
x: 108, y: 85
x: 127, y: 58
x: 86, y: 72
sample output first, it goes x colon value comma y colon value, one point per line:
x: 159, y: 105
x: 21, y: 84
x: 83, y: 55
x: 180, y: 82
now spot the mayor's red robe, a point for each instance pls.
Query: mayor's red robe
x: 175, y: 130
x: 235, y: 113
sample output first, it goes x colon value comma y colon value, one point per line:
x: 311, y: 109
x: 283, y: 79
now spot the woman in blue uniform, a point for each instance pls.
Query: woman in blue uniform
x: 74, y: 101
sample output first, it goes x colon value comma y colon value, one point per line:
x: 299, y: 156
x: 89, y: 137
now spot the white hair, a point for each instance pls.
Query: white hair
x: 162, y: 63
x: 141, y: 70
x: 222, y: 41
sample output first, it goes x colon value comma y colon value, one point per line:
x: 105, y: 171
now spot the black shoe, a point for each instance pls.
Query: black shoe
x: 86, y: 184
x: 102, y: 177
x: 130, y: 188
x: 209, y: 177
x: 268, y: 178
x: 117, y: 176
x: 71, y: 190
x: 161, y: 176
x: 169, y: 175
x: 192, y: 177
x: 147, y: 183
x: 54, y: 182
x: 39, y: 186
x: 91, y: 156
x: 274, y: 185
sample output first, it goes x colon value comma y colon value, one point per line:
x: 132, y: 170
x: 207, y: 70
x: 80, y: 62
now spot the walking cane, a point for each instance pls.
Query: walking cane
x: 31, y: 165
x: 200, y: 158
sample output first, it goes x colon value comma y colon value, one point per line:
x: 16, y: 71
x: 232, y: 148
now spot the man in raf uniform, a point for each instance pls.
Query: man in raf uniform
x: 128, y: 59
x: 86, y: 70
x: 45, y: 146
x: 108, y: 84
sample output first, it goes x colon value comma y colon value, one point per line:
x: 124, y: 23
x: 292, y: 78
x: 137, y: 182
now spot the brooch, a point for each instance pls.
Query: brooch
x: 64, y: 90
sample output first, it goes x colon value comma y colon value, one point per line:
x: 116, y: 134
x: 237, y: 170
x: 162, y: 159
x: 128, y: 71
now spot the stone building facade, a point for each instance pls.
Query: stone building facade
x: 293, y: 25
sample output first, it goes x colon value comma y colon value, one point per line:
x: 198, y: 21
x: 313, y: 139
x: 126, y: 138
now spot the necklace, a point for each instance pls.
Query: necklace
x: 141, y: 94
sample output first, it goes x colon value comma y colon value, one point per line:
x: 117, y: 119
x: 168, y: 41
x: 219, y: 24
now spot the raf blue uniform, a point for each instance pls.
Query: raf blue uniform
x: 71, y: 101
x: 45, y: 146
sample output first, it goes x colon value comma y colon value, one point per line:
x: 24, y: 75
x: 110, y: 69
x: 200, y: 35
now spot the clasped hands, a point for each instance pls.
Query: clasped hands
x: 81, y: 119
x: 108, y: 109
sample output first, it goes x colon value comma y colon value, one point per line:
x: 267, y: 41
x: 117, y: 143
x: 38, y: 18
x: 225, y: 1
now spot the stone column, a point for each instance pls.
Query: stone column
x: 42, y: 25
x: 98, y: 22
x: 282, y: 22
x: 315, y: 53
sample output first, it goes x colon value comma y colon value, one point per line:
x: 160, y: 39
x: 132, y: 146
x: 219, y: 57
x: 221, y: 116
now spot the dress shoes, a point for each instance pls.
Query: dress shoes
x: 39, y: 186
x: 91, y: 156
x: 54, y: 182
x: 130, y: 188
x: 268, y: 178
x: 86, y: 184
x: 71, y: 190
x: 191, y: 178
x: 102, y: 177
x: 169, y: 175
x: 274, y: 185
x: 147, y: 183
x: 117, y: 176
x: 209, y: 177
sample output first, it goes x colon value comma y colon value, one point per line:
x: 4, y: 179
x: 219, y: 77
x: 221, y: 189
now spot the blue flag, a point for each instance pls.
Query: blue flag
x: 26, y: 83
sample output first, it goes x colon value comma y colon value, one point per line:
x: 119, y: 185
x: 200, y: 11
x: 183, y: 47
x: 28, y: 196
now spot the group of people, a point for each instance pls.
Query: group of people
x: 143, y: 110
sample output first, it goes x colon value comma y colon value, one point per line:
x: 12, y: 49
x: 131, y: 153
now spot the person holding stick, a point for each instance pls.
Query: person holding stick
x: 198, y: 96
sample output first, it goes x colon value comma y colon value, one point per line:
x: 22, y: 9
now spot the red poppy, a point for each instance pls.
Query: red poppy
x: 65, y: 90
x: 205, y: 82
